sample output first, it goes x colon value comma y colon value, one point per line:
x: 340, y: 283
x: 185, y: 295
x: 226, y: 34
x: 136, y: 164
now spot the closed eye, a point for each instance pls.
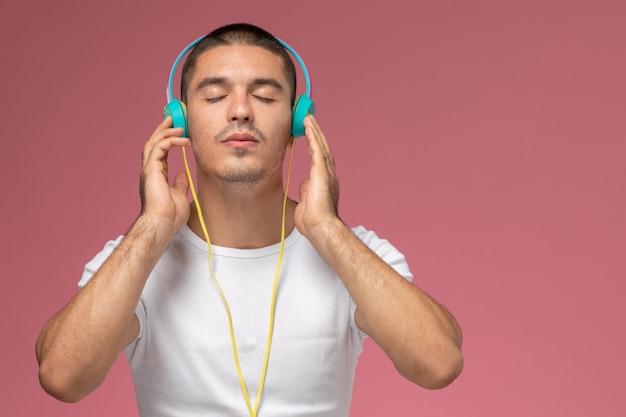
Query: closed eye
x: 264, y: 99
x: 215, y: 99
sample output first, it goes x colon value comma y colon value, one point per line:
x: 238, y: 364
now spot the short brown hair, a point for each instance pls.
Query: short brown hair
x: 238, y: 34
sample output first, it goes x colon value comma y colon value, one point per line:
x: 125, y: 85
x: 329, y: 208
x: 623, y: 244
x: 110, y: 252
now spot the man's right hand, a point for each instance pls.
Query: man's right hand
x: 166, y: 205
x: 78, y: 345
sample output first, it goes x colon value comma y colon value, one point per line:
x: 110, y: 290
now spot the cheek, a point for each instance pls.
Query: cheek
x: 198, y: 126
x: 283, y: 128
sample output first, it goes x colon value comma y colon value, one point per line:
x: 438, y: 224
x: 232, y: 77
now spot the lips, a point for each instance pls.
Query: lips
x: 240, y: 137
x: 240, y: 140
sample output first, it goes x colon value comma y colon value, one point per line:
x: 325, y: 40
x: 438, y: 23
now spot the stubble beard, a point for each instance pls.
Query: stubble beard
x: 243, y: 175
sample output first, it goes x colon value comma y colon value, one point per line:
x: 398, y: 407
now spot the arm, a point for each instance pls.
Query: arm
x: 79, y: 344
x: 419, y: 335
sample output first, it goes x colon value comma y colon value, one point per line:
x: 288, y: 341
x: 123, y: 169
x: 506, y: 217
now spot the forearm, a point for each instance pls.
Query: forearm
x: 419, y: 335
x: 78, y: 346
x: 421, y: 338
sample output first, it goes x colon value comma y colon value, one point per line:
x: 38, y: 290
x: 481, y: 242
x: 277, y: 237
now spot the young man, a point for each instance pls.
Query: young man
x: 193, y: 318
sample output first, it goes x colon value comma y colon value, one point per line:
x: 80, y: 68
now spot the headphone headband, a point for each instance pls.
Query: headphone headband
x: 170, y: 84
x: 302, y: 107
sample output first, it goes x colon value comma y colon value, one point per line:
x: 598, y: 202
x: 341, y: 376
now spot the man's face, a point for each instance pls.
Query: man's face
x: 239, y: 113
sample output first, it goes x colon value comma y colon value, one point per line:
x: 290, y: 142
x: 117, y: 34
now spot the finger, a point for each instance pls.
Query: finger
x: 161, y: 134
x: 159, y: 151
x: 312, y: 134
x: 166, y: 122
x: 163, y: 130
x: 318, y: 146
x: 181, y: 183
x: 320, y: 134
x: 159, y: 131
x: 304, y: 186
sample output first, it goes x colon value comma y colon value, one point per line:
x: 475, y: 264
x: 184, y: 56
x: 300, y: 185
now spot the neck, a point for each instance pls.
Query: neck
x: 242, y: 216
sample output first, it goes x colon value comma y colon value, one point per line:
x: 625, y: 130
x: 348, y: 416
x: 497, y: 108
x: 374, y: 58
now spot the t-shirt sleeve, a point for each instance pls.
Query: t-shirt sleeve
x: 94, y: 265
x: 387, y: 252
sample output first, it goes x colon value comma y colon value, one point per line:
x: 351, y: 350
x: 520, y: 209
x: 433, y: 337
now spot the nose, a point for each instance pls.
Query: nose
x: 240, y: 109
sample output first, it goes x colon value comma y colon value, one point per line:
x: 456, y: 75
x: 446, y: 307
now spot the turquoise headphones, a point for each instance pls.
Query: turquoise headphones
x: 303, y: 106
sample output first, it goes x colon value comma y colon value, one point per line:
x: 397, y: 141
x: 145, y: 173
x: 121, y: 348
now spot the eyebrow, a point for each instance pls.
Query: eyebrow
x: 208, y: 81
x: 268, y: 81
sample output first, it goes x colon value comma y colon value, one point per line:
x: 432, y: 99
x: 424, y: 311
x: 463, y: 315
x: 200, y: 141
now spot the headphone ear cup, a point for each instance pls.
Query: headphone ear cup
x: 303, y: 107
x: 178, y: 111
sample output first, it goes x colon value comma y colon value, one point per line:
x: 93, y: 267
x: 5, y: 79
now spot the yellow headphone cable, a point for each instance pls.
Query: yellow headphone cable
x: 253, y: 411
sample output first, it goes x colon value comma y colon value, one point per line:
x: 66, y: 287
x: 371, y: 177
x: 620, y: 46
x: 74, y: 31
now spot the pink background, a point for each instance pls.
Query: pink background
x: 485, y: 139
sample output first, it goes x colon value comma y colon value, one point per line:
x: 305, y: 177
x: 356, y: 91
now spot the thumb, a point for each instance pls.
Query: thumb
x: 304, y: 185
x: 181, y: 183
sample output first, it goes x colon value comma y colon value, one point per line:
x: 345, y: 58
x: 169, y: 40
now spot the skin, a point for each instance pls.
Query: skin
x: 239, y: 116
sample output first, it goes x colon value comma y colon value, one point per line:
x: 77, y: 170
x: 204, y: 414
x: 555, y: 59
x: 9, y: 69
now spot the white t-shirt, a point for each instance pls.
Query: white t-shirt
x: 182, y: 362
